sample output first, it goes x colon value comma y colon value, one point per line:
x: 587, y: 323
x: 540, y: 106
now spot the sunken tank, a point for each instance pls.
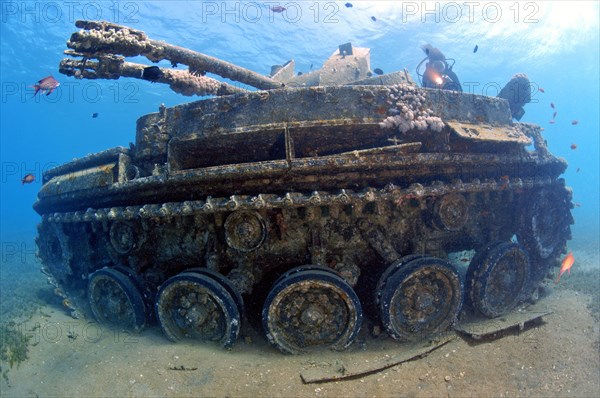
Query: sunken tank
x: 307, y: 208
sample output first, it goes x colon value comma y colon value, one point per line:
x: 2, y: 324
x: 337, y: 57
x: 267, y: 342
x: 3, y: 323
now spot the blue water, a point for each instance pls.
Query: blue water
x: 554, y: 43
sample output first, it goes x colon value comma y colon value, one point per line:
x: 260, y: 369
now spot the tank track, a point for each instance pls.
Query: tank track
x: 59, y: 267
x: 290, y: 199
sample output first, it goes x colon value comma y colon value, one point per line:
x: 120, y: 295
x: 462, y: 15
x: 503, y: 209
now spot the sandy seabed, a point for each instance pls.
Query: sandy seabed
x: 558, y: 356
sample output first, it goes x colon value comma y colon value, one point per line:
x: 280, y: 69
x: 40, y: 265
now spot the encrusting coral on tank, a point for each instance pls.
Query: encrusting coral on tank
x: 408, y: 112
x: 183, y: 82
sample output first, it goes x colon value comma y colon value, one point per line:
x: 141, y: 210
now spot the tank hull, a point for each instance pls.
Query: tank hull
x: 370, y: 190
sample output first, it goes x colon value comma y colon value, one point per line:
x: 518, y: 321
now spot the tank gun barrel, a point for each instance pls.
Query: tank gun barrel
x: 98, y: 39
x: 110, y: 66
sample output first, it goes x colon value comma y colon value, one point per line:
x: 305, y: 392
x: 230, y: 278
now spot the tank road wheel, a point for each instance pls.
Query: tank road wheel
x: 245, y: 231
x: 392, y: 269
x: 194, y: 305
x: 451, y: 212
x: 226, y: 283
x: 311, y: 309
x: 498, y: 277
x: 305, y: 268
x: 422, y: 296
x: 115, y: 299
x: 122, y: 237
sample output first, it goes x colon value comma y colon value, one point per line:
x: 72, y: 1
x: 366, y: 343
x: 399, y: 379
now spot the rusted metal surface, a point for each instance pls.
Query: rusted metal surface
x: 93, y: 177
x: 91, y: 160
x: 484, y: 132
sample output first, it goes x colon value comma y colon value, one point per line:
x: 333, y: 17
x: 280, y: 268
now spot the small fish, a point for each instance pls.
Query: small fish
x: 578, y: 170
x: 278, y: 9
x: 504, y: 178
x: 348, y: 5
x: 299, y: 73
x: 152, y: 73
x: 551, y: 121
x: 573, y: 146
x: 378, y: 71
x: 94, y: 115
x: 373, y: 19
x: 27, y: 179
x: 541, y: 90
x: 577, y: 204
x: 311, y: 66
x: 46, y: 85
x: 475, y: 49
x: 554, y: 115
x: 464, y: 260
x: 552, y: 105
x: 566, y: 265
x: 574, y: 122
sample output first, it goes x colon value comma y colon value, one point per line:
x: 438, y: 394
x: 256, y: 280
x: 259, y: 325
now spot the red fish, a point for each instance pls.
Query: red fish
x: 541, y: 90
x: 552, y: 105
x: 27, y: 179
x: 566, y: 265
x: 574, y: 122
x: 278, y: 9
x: 46, y: 85
x: 573, y: 146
